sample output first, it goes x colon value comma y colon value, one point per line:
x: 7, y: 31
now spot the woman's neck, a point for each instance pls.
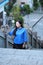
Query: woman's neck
x: 19, y: 27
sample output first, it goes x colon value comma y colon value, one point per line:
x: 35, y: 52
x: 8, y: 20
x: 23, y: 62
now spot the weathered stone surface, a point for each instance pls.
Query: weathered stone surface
x: 21, y: 57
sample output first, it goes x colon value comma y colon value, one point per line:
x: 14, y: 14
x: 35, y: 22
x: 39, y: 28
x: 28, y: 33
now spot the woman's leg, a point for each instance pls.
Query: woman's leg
x: 14, y: 46
x: 20, y: 46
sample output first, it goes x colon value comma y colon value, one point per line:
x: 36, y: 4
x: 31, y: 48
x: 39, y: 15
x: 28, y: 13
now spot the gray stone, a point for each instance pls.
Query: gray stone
x: 21, y: 57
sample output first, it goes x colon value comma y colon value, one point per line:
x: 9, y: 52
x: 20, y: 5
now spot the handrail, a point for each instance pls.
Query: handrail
x: 2, y: 1
x: 37, y: 22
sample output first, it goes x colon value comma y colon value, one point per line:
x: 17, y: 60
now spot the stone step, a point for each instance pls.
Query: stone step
x: 21, y: 57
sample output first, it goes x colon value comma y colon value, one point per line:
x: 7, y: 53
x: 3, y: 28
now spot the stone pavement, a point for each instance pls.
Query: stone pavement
x: 21, y: 57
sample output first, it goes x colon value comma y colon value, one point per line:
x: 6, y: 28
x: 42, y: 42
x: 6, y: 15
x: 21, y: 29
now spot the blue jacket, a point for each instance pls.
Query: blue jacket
x: 21, y: 35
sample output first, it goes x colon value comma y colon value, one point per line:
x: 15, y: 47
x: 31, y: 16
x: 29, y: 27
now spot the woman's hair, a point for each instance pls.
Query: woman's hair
x: 21, y: 23
x: 14, y: 32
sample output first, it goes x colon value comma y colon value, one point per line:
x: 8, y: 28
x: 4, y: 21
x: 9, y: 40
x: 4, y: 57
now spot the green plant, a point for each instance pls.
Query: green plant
x: 16, y: 11
x: 8, y: 7
x: 16, y: 14
x: 13, y: 1
x: 41, y: 2
x: 35, y: 4
x: 27, y: 9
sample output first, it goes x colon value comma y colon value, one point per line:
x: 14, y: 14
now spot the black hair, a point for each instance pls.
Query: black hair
x: 21, y: 23
x: 14, y: 32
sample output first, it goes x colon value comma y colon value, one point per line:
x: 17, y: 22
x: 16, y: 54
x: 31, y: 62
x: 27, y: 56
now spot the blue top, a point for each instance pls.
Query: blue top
x: 21, y: 36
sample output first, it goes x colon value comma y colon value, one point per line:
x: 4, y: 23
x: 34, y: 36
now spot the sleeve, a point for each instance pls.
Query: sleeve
x: 11, y: 32
x: 25, y: 36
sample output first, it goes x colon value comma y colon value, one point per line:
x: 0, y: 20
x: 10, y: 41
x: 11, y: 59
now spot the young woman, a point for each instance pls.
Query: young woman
x: 20, y: 35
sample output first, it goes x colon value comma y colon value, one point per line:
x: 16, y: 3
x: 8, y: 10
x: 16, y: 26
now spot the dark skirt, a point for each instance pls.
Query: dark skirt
x: 18, y: 46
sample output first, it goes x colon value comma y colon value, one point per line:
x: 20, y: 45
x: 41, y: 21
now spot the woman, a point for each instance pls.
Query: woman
x: 20, y: 35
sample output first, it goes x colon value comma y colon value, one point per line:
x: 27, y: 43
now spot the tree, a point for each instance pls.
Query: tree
x: 8, y: 7
x: 35, y: 4
x: 41, y: 2
x: 16, y: 14
x: 12, y: 1
x: 27, y: 9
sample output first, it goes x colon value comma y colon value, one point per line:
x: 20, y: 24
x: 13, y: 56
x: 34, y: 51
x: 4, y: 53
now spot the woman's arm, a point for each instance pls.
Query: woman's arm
x: 25, y: 39
x: 11, y: 32
x: 25, y: 36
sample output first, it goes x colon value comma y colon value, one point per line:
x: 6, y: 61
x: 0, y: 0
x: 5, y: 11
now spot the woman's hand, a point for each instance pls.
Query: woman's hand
x: 24, y: 45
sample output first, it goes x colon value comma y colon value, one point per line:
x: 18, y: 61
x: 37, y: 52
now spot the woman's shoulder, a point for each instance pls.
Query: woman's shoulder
x: 24, y: 29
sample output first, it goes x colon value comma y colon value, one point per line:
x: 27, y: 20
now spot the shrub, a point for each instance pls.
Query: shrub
x: 16, y: 14
x: 13, y: 1
x: 25, y: 9
x: 41, y: 2
x: 8, y: 7
x: 35, y: 4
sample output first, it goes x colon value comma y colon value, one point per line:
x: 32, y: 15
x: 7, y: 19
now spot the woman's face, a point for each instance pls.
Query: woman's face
x: 18, y: 24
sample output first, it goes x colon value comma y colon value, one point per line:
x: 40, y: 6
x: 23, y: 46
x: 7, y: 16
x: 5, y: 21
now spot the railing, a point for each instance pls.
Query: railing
x: 7, y: 40
x: 1, y: 1
x: 34, y: 40
x: 37, y: 22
